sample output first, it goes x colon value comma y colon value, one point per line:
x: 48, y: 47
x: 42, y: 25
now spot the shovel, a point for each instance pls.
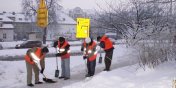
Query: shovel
x: 100, y: 58
x: 56, y: 71
x: 47, y: 79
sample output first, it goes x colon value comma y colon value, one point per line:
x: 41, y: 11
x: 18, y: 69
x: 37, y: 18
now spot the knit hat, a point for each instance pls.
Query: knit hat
x: 88, y: 40
x: 45, y: 50
x: 61, y: 39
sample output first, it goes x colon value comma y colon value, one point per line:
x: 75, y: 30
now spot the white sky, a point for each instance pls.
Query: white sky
x: 15, y: 5
x: 10, y: 5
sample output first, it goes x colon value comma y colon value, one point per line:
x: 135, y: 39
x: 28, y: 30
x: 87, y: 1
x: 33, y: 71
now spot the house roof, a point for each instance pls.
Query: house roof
x: 21, y: 18
x: 6, y: 26
x: 18, y: 17
x: 5, y: 19
x: 65, y: 19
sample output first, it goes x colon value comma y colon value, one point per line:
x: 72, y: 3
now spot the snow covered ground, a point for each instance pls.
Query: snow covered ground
x: 14, y: 52
x: 125, y: 73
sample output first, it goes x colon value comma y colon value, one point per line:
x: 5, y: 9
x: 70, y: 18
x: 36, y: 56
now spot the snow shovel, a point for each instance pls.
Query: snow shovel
x: 47, y: 79
x: 56, y: 71
x: 100, y: 58
x: 36, y: 62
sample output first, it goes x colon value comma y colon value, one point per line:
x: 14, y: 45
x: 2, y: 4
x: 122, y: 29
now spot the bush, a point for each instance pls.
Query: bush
x: 152, y: 53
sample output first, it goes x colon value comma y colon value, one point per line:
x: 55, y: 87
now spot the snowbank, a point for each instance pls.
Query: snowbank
x: 131, y: 77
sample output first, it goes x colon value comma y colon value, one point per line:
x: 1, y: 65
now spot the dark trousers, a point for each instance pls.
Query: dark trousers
x: 91, y: 67
x: 108, y: 59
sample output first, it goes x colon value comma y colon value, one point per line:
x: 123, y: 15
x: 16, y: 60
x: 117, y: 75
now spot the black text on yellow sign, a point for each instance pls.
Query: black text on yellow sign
x: 42, y: 15
x: 82, y: 28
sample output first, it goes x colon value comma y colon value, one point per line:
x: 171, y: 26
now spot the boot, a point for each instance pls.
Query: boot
x: 61, y: 77
x: 31, y: 85
x: 66, y: 78
x: 39, y: 82
x: 87, y: 75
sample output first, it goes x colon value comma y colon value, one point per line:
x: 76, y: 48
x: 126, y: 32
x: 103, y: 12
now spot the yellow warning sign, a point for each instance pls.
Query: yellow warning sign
x: 82, y: 29
x: 42, y: 14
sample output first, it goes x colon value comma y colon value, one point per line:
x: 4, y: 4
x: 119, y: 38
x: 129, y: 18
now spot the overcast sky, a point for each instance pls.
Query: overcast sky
x: 15, y: 5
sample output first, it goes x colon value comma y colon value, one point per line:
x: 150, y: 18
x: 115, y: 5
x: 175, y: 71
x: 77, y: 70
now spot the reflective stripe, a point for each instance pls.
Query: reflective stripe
x: 95, y: 52
x: 61, y: 50
x: 57, y: 49
x: 68, y: 51
x: 35, y: 58
x: 89, y: 51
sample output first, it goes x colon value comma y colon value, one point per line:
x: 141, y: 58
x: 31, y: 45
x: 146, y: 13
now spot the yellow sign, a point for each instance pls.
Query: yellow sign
x: 42, y: 14
x: 83, y: 25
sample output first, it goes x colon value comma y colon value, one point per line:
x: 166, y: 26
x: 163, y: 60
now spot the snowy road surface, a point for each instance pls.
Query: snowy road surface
x: 13, y: 73
x: 125, y: 73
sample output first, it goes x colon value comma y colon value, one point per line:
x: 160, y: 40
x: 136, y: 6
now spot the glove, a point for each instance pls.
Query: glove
x: 84, y: 57
x: 41, y: 71
x: 58, y: 55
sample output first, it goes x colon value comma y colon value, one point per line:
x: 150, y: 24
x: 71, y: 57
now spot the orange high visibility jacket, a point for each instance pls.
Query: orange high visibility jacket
x: 37, y: 53
x: 91, y: 56
x: 107, y: 41
x: 67, y: 55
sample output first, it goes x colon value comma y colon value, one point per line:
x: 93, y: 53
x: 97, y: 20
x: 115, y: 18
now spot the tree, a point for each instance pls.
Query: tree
x: 140, y: 21
x: 30, y: 9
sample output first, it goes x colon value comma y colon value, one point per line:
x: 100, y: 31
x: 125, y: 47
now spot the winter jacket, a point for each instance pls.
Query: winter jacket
x: 38, y: 52
x: 64, y: 50
x: 90, y: 50
x: 106, y: 43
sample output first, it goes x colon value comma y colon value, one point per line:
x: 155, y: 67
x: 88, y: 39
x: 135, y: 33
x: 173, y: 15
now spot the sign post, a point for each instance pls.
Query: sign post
x: 82, y: 30
x: 42, y: 18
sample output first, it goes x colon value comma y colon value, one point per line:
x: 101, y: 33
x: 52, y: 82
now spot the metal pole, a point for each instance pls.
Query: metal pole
x: 44, y: 35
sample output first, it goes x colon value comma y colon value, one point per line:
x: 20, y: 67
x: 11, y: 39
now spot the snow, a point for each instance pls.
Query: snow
x: 7, y: 26
x: 129, y: 77
x: 65, y: 19
x: 125, y: 73
x: 18, y: 17
x: 16, y: 52
x: 5, y: 19
x: 10, y: 44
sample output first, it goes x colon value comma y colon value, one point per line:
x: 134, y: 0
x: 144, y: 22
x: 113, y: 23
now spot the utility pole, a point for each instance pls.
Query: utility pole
x: 42, y: 18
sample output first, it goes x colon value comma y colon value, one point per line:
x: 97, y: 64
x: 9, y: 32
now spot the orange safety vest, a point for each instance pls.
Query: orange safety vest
x: 37, y: 53
x: 63, y: 47
x: 107, y: 41
x: 90, y: 47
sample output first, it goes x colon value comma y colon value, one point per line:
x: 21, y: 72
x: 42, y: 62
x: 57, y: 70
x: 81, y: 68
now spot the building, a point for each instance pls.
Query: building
x: 16, y: 26
x: 6, y: 29
x: 65, y: 26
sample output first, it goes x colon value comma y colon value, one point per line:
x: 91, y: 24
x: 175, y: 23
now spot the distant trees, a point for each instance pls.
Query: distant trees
x: 142, y: 20
x: 30, y: 8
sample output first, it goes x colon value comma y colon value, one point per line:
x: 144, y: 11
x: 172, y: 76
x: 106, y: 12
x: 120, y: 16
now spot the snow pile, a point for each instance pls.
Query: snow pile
x: 132, y: 77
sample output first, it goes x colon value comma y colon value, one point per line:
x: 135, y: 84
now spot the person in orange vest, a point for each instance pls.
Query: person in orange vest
x: 31, y: 56
x: 63, y: 48
x: 89, y: 53
x: 108, y: 47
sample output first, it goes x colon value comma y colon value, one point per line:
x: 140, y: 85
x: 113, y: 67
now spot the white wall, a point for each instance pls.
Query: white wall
x: 9, y: 34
